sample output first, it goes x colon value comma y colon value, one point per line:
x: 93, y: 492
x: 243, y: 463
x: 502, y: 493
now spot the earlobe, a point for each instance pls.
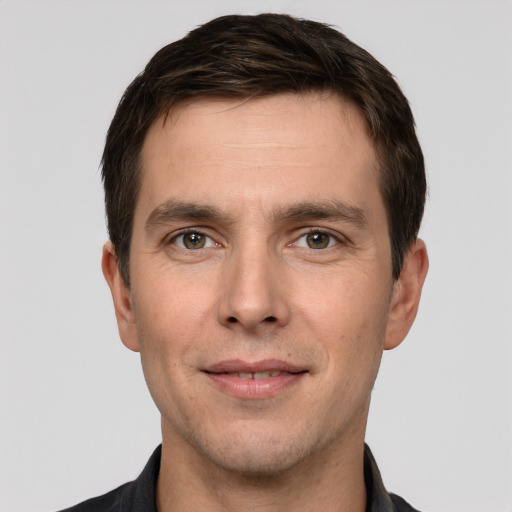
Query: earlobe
x: 406, y: 295
x: 121, y: 297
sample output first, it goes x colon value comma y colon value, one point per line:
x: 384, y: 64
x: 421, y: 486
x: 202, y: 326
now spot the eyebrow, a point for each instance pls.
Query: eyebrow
x: 331, y: 210
x: 173, y: 210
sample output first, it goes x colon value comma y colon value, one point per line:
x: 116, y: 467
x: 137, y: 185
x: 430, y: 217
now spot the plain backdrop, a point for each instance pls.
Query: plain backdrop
x: 76, y: 419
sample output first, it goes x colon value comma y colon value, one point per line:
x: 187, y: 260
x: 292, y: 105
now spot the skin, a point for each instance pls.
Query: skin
x: 270, y: 170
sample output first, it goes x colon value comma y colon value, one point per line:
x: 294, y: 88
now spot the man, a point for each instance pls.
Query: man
x: 264, y: 189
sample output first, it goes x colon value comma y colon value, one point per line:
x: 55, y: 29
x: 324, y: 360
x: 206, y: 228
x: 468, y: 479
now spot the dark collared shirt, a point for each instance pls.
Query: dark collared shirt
x: 139, y: 495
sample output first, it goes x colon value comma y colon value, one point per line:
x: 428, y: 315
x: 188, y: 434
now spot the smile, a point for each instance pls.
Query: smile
x: 253, y: 381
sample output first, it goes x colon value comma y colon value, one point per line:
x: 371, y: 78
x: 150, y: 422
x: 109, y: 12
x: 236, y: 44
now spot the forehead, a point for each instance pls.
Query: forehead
x: 268, y: 149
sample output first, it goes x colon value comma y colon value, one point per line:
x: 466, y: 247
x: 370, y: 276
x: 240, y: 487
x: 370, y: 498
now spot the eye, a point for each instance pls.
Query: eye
x: 316, y: 240
x: 192, y: 240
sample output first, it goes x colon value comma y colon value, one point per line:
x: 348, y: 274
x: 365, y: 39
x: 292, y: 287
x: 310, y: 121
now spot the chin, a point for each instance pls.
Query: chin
x: 252, y: 455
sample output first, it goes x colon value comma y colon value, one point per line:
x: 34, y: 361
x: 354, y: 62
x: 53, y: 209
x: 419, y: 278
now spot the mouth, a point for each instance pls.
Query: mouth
x: 255, y: 375
x: 252, y: 381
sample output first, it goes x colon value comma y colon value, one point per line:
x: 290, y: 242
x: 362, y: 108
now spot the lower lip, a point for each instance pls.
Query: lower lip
x: 254, y: 389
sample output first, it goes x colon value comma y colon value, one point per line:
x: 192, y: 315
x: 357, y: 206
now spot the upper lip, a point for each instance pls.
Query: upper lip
x: 267, y: 365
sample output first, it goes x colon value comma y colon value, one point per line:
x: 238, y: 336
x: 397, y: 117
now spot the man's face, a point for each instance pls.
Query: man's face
x: 261, y: 279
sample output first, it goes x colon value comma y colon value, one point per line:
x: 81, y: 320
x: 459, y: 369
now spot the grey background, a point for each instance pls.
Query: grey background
x: 75, y: 417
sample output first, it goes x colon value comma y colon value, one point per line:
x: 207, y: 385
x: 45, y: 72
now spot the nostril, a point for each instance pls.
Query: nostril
x: 234, y: 319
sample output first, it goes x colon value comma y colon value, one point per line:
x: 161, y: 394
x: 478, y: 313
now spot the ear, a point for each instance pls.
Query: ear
x: 406, y: 295
x: 121, y: 296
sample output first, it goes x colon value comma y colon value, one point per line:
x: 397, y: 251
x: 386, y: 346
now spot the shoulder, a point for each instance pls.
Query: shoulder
x: 400, y: 505
x: 136, y: 496
x: 378, y: 498
x: 109, y: 502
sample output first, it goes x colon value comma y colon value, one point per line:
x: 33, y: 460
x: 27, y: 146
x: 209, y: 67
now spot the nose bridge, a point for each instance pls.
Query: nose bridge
x: 252, y: 292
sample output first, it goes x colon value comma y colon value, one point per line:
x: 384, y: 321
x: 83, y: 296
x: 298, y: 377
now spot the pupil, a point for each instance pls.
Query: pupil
x: 194, y: 241
x: 318, y: 240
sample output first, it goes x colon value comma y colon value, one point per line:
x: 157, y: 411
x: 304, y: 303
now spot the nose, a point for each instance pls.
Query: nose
x: 253, y: 292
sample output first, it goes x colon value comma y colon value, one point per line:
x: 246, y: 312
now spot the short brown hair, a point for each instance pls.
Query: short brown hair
x: 253, y: 56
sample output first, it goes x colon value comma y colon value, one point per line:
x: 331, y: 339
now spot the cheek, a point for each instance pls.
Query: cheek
x: 172, y: 306
x: 343, y: 301
x: 170, y: 333
x: 347, y: 318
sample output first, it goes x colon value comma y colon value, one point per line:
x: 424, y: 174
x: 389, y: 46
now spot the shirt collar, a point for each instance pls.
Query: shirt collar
x: 377, y: 498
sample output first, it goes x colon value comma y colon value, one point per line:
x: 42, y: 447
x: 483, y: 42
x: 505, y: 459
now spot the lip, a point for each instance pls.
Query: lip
x: 225, y: 375
x: 266, y: 365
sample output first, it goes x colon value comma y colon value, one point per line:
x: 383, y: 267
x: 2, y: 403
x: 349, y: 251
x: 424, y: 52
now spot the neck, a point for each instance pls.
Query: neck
x: 332, y: 481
